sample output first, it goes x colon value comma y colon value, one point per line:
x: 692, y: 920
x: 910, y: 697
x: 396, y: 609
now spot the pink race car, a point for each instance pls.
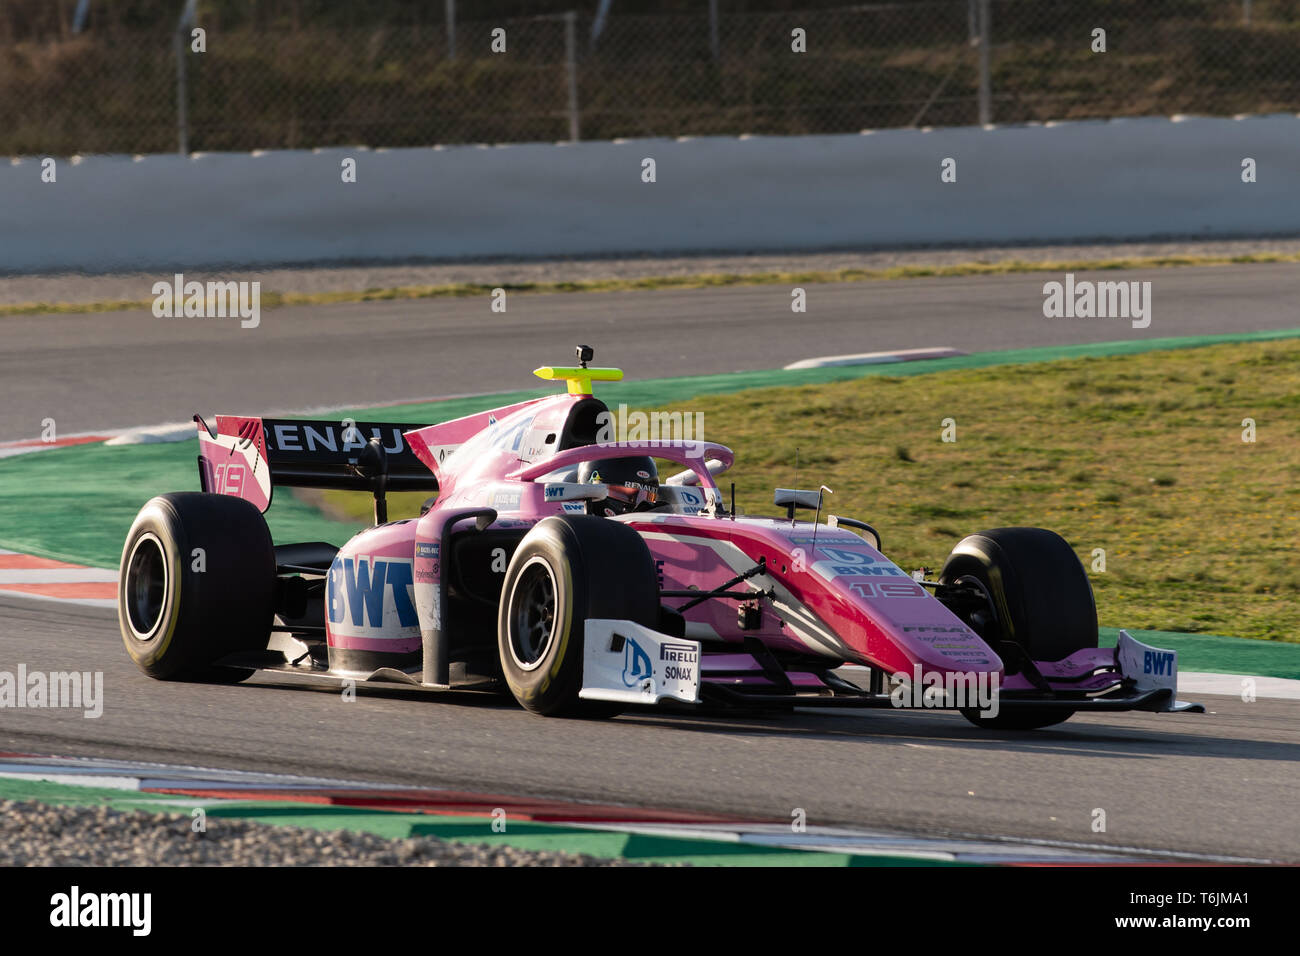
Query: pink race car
x: 556, y: 564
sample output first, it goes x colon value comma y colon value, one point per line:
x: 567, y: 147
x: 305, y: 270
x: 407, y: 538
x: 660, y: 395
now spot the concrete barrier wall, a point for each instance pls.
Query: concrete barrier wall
x: 1122, y: 179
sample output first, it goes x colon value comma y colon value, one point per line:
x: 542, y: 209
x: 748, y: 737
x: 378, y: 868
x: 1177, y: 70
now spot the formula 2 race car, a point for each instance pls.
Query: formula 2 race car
x: 583, y: 594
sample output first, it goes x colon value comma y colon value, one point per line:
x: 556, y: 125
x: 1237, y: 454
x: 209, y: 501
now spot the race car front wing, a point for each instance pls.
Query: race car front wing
x: 1130, y: 676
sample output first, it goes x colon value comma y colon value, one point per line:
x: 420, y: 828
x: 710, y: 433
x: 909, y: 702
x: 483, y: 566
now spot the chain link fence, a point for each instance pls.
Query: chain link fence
x: 298, y: 83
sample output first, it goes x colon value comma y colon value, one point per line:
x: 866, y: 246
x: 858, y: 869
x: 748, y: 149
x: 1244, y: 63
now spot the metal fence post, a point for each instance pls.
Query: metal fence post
x: 181, y: 119
x: 714, y: 48
x: 182, y: 87
x: 1245, y: 12
x: 450, y: 9
x: 986, y: 82
x: 571, y: 68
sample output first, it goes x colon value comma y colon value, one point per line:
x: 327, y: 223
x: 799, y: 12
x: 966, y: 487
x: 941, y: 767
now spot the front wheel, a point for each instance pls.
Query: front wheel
x: 196, y: 584
x: 566, y: 570
x: 1039, y: 598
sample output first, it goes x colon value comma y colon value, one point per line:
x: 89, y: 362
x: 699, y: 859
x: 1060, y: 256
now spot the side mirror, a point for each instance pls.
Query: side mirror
x: 792, y: 498
x: 798, y: 498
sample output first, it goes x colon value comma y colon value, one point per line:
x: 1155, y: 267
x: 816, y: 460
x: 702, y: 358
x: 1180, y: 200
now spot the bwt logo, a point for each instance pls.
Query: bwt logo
x: 844, y: 561
x: 1157, y: 662
x: 844, y: 556
x: 636, y: 663
x: 356, y: 590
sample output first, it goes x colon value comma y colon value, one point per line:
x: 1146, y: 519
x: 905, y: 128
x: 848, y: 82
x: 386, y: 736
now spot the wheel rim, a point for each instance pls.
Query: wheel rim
x: 144, y: 589
x: 532, y: 614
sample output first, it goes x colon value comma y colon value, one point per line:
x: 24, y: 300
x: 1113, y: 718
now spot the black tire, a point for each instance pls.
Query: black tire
x: 568, y: 569
x: 1042, y: 601
x: 177, y: 621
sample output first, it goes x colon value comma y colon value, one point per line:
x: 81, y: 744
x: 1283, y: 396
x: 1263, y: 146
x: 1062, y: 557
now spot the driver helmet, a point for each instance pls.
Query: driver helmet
x: 632, y: 484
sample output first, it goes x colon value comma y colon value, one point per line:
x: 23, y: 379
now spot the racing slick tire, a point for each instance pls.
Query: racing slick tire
x: 196, y: 583
x: 1042, y: 601
x: 566, y: 570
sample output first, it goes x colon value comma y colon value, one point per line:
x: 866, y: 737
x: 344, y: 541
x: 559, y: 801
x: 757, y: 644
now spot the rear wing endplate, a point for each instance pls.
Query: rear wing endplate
x: 249, y: 457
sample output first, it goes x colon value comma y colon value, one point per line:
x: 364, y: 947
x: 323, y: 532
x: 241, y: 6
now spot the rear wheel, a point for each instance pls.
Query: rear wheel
x: 565, y: 571
x: 196, y: 583
x: 1039, y: 598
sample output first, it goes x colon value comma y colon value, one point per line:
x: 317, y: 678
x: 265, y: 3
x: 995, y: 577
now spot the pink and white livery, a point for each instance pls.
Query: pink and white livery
x: 542, y: 568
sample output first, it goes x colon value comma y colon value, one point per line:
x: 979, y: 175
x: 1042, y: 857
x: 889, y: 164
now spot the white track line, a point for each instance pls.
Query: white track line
x: 875, y: 358
x: 74, y: 575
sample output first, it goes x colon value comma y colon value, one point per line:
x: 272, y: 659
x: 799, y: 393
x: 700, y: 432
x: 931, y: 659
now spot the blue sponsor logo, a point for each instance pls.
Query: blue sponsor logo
x: 636, y: 663
x: 356, y: 591
x: 845, y: 556
x: 1158, y: 662
x: 510, y: 437
x: 427, y: 549
x: 847, y: 562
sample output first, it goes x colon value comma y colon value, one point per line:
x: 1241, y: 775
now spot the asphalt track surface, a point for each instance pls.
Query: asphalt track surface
x: 1216, y: 785
x: 1220, y: 784
x: 117, y: 370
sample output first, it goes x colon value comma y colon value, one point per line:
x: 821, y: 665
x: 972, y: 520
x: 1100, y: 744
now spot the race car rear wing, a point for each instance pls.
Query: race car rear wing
x: 249, y: 457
